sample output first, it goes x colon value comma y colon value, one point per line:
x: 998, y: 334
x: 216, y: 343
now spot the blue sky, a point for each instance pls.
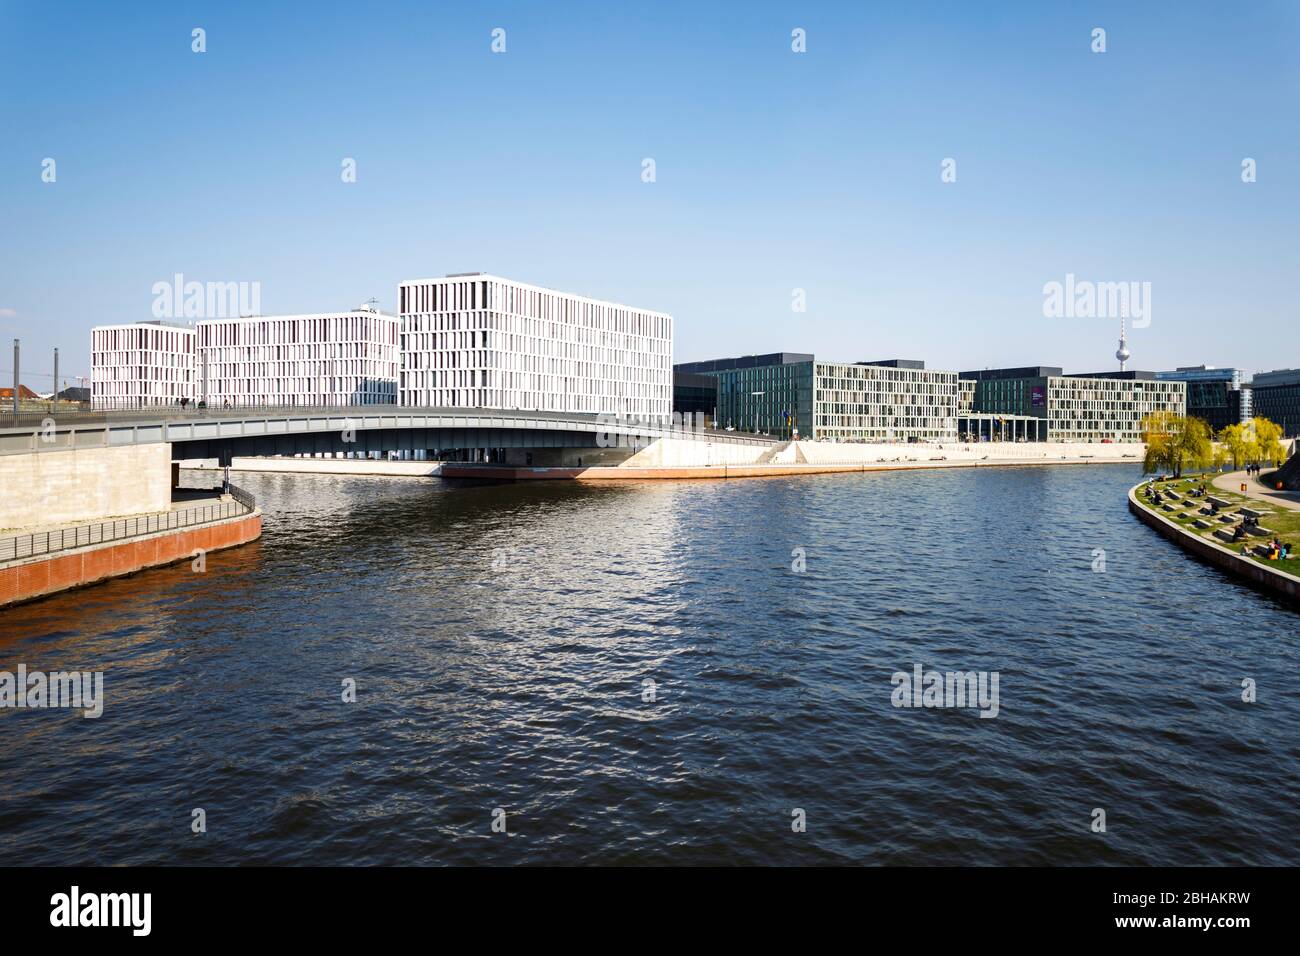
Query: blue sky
x: 775, y: 170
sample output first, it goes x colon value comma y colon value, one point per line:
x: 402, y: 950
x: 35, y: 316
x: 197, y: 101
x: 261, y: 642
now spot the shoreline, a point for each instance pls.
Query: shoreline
x: 41, y: 576
x: 470, y: 470
x: 1279, y: 583
x: 688, y: 461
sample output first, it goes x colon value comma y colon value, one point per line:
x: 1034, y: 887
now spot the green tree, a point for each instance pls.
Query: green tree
x: 1237, y: 442
x: 1267, y: 441
x: 1175, y: 442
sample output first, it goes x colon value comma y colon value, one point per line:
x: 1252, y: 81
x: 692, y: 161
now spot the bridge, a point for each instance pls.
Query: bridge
x: 299, y: 430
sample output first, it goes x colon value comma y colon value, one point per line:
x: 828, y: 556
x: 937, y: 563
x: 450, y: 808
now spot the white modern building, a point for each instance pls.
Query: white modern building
x: 328, y: 358
x: 478, y: 340
x: 141, y: 364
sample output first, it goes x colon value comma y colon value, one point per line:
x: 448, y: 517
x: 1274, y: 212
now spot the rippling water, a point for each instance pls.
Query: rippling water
x: 499, y: 637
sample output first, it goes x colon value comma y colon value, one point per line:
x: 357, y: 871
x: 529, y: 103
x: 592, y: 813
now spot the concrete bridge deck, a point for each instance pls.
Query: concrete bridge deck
x: 288, y: 430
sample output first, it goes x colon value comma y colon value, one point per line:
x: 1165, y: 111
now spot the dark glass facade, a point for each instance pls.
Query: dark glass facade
x: 695, y: 394
x: 1277, y: 398
x: 783, y: 381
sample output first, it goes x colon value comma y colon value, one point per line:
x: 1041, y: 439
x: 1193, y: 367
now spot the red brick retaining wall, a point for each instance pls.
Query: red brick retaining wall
x: 40, y: 576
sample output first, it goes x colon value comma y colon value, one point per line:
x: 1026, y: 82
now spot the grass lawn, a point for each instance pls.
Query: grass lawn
x: 1283, y: 522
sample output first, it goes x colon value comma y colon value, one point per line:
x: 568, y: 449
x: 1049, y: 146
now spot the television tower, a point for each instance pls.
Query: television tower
x: 1122, y: 353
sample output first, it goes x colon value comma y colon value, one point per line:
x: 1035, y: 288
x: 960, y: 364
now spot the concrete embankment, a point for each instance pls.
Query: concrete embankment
x: 678, y: 459
x: 1278, y: 582
x: 673, y: 458
x: 41, y: 575
x: 331, y: 466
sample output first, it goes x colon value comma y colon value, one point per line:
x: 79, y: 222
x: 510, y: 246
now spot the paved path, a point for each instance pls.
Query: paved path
x: 1255, y: 489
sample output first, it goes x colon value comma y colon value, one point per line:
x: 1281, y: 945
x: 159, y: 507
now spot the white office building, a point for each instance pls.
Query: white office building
x: 141, y: 364
x: 894, y: 400
x: 328, y: 358
x: 477, y: 340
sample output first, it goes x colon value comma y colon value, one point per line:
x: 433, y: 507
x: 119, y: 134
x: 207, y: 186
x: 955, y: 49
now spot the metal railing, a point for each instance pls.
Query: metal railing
x: 40, y: 543
x: 174, y: 413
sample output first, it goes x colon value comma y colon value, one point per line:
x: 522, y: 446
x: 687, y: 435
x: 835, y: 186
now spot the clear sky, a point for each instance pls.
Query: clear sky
x: 774, y: 170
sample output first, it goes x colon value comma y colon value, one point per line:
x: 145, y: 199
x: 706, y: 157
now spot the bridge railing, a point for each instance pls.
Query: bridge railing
x: 175, y: 413
x: 39, y: 543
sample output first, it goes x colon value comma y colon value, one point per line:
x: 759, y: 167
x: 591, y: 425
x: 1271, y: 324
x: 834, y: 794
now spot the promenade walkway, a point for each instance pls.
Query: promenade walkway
x: 189, y: 508
x: 1257, y: 489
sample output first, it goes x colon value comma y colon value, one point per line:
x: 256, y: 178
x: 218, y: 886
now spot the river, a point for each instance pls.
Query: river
x: 640, y: 672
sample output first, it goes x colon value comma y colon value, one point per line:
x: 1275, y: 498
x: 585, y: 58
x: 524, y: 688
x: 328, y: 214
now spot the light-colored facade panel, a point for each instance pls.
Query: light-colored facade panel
x: 331, y: 358
x: 141, y: 364
x: 861, y: 402
x: 487, y: 342
x: 1107, y: 409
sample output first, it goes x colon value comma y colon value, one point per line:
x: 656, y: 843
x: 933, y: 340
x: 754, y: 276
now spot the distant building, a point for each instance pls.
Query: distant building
x: 327, y: 358
x: 788, y: 393
x: 1276, y: 396
x: 481, y: 341
x: 25, y: 395
x: 331, y: 358
x: 770, y: 393
x: 1042, y: 403
x: 141, y: 364
x: 1216, y: 395
x: 74, y: 393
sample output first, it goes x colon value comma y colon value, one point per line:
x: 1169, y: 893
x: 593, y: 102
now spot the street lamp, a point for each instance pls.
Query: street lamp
x: 756, y: 395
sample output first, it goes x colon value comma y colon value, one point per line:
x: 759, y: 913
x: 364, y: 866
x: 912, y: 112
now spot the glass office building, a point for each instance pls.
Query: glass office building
x: 1044, y: 404
x: 1216, y: 395
x: 1276, y: 396
x: 793, y: 394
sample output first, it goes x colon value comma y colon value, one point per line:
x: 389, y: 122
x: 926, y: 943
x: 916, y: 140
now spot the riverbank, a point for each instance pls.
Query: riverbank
x: 1207, y: 535
x: 333, y: 466
x: 39, y: 562
x: 623, y: 473
x: 1253, y: 486
x: 675, y: 459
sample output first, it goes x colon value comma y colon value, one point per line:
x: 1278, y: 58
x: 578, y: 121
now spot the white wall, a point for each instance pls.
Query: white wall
x: 681, y: 453
x: 86, y: 484
x: 826, y: 453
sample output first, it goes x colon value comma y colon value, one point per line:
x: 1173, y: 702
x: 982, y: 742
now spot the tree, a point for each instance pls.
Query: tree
x: 1237, y: 442
x: 1175, y: 441
x: 1267, y: 441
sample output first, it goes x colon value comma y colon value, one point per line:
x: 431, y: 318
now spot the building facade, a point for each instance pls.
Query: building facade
x: 1216, y: 395
x: 1042, y: 403
x: 770, y: 394
x: 1276, y: 396
x: 141, y: 364
x: 894, y: 400
x: 477, y: 340
x: 330, y: 358
x: 792, y: 394
x: 695, y: 396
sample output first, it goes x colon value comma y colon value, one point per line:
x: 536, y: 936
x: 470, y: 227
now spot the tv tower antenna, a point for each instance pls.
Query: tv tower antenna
x: 1122, y: 353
